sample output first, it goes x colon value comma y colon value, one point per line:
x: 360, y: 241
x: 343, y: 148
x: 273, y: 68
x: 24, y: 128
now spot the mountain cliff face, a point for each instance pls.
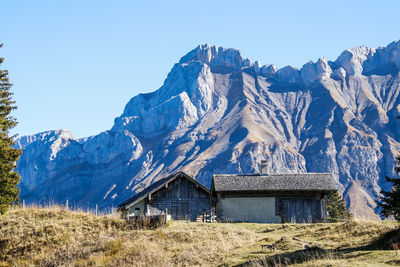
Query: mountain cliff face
x: 220, y: 113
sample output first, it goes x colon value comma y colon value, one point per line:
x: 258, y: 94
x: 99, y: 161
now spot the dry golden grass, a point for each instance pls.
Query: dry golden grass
x: 54, y: 236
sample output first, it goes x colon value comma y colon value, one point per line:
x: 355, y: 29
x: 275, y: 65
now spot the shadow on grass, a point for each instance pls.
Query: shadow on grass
x: 260, y: 252
x: 302, y: 256
x: 295, y: 257
x: 267, y: 231
x: 393, y: 262
x: 384, y: 242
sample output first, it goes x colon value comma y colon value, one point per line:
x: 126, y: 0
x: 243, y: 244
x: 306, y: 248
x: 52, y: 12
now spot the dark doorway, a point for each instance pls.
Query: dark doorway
x: 299, y: 210
x: 180, y: 210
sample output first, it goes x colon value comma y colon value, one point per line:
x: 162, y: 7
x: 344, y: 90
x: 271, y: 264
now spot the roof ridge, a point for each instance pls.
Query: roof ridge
x: 237, y: 174
x: 299, y: 173
x: 266, y: 175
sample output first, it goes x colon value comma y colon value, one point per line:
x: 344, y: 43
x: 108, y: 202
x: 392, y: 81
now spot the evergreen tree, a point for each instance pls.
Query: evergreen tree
x: 9, y: 178
x: 389, y: 201
x: 336, y: 207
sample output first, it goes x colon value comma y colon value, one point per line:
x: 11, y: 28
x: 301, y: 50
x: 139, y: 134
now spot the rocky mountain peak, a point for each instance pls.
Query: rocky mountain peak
x: 383, y: 60
x: 312, y: 72
x: 216, y: 56
x: 219, y: 113
x: 351, y: 60
x: 47, y: 136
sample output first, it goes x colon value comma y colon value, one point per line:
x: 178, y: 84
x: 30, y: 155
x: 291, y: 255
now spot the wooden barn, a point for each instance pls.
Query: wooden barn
x: 274, y: 198
x: 183, y: 197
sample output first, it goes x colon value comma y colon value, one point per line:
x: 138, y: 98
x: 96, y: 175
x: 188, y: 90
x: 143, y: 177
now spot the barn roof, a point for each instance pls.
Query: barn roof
x: 158, y: 185
x: 274, y: 182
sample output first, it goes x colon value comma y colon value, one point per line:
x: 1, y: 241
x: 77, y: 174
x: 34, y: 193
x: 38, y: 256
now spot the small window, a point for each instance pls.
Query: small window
x: 137, y: 209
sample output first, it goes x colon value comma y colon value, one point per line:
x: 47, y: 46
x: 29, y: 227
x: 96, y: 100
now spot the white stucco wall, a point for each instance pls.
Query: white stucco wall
x: 249, y: 209
x: 132, y: 210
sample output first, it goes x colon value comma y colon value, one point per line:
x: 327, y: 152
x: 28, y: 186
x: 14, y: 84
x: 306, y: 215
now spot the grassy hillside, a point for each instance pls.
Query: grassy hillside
x: 56, y: 237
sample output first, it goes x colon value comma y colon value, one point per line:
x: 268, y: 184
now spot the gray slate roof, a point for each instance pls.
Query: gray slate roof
x: 274, y: 182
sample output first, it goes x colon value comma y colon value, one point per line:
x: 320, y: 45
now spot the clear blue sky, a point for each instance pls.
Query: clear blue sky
x: 75, y: 64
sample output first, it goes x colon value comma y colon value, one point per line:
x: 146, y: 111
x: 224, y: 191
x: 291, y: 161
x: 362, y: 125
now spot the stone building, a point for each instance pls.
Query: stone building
x: 271, y: 198
x: 183, y: 197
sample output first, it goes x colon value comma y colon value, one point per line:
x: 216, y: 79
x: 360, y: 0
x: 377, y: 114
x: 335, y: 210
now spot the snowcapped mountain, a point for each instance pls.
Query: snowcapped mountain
x: 218, y: 112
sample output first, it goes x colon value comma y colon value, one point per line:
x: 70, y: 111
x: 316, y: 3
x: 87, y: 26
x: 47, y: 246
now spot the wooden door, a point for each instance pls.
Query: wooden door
x: 300, y: 211
x: 308, y: 215
x: 292, y: 211
x: 184, y: 210
x: 174, y: 209
x: 180, y: 210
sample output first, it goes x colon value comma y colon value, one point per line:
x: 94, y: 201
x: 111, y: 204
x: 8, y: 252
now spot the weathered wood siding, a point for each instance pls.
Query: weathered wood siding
x: 299, y: 210
x: 182, y: 198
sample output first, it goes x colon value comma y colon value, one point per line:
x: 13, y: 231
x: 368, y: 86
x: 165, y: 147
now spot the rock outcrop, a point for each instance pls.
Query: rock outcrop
x: 220, y: 113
